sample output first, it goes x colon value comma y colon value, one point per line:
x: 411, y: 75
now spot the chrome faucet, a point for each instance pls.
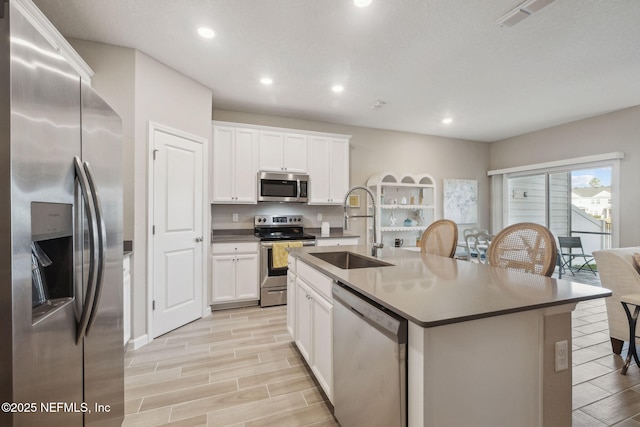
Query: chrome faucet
x: 375, y: 245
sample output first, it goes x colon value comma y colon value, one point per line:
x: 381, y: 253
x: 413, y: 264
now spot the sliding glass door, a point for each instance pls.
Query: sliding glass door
x: 569, y: 202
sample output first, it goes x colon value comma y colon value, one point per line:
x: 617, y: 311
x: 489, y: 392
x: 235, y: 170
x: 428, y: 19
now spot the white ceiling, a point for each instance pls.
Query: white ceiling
x: 427, y: 58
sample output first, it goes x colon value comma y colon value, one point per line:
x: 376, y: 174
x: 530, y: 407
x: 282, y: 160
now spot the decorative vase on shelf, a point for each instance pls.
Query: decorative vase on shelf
x: 392, y: 220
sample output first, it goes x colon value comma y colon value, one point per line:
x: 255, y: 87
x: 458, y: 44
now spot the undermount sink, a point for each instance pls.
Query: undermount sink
x: 349, y: 260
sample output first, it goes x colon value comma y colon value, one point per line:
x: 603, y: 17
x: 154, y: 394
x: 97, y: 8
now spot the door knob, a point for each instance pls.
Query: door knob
x: 199, y: 239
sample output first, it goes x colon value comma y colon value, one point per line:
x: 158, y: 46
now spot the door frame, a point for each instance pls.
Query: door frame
x: 206, y: 216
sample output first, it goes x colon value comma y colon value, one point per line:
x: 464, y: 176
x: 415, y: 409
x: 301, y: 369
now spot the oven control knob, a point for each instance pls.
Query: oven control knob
x: 299, y: 219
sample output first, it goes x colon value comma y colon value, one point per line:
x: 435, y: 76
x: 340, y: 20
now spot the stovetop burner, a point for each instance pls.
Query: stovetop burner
x: 280, y: 227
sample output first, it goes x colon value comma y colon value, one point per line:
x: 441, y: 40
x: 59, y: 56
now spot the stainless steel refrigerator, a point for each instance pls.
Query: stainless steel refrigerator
x: 61, y: 348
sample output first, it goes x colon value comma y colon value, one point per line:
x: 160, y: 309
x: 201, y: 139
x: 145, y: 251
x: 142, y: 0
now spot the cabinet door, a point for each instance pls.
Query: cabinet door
x: 222, y: 164
x: 319, y: 192
x: 246, y: 166
x: 271, y: 149
x: 246, y: 266
x: 304, y: 317
x: 338, y: 165
x: 295, y: 152
x: 291, y: 304
x: 322, y: 334
x: 223, y: 278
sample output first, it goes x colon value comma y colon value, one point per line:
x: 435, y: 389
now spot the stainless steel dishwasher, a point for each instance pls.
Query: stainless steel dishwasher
x: 369, y: 362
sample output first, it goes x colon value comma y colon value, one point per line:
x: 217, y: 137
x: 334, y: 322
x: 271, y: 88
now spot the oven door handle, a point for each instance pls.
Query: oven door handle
x: 304, y: 243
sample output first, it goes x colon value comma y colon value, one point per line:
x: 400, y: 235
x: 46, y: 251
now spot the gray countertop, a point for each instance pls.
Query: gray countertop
x: 431, y: 291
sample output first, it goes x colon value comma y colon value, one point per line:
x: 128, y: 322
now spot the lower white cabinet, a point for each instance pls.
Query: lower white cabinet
x: 313, y: 324
x: 234, y: 272
x: 342, y: 241
x: 291, y: 297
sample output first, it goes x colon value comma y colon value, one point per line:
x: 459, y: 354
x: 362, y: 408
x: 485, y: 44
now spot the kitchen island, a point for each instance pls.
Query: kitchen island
x: 481, y: 340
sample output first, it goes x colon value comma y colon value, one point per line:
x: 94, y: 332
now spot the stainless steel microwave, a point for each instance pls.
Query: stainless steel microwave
x: 283, y: 187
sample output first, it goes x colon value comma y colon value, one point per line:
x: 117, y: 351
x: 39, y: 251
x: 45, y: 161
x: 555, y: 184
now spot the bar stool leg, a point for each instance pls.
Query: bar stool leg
x: 633, y: 320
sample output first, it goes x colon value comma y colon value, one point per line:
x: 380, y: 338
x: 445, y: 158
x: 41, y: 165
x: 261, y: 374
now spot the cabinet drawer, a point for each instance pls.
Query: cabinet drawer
x: 231, y: 248
x: 318, y: 281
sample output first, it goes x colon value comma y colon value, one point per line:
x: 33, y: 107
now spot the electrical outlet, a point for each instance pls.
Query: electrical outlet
x: 235, y: 217
x: 319, y: 217
x: 562, y: 355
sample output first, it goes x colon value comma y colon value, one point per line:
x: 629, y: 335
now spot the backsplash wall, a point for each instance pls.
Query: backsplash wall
x: 222, y: 215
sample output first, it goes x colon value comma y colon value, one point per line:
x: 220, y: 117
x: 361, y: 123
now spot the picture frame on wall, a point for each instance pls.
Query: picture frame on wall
x: 460, y: 200
x: 353, y: 201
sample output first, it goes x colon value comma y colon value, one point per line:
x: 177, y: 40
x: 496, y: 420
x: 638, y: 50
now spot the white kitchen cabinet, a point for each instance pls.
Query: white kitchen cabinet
x: 328, y: 170
x: 234, y: 272
x: 342, y: 241
x: 314, y: 323
x: 282, y: 151
x: 234, y: 165
x: 291, y: 297
x: 126, y: 297
x: 304, y: 317
x: 322, y: 335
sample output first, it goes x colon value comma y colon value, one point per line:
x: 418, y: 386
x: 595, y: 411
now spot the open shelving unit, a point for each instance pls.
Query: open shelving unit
x: 405, y: 204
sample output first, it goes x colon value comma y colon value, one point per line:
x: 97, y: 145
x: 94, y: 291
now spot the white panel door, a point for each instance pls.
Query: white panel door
x: 177, y: 239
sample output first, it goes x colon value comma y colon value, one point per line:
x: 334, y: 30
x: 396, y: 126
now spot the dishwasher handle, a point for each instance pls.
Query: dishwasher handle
x: 388, y: 323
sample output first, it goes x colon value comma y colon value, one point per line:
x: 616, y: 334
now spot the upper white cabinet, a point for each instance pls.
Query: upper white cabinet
x: 328, y: 169
x: 240, y: 151
x: 234, y: 165
x: 283, y: 152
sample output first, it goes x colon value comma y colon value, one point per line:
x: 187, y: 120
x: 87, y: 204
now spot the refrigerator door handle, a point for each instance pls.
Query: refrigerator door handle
x: 93, y: 248
x: 102, y: 246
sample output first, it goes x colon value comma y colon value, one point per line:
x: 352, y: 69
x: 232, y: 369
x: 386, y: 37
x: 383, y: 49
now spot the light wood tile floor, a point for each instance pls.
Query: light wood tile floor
x: 239, y: 368
x: 234, y: 368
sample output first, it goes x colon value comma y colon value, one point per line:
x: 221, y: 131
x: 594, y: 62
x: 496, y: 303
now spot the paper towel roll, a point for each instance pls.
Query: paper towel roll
x: 325, y: 229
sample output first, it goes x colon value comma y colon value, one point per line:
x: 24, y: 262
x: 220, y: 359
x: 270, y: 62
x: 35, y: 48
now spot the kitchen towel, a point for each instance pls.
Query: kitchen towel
x: 280, y: 256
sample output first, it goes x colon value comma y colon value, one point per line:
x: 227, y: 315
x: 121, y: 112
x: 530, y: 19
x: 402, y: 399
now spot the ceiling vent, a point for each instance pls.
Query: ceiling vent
x: 521, y: 12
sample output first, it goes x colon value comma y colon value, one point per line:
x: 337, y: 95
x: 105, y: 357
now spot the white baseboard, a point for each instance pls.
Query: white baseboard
x: 138, y: 342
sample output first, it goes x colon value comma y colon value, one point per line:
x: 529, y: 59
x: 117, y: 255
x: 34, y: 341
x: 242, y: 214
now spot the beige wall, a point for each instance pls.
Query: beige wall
x: 141, y: 90
x: 617, y: 131
x: 374, y: 151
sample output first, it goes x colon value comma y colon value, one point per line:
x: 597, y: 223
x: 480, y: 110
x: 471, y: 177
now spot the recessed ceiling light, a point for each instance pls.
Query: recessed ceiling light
x: 337, y: 88
x: 362, y: 3
x: 447, y: 120
x: 266, y: 81
x: 207, y: 33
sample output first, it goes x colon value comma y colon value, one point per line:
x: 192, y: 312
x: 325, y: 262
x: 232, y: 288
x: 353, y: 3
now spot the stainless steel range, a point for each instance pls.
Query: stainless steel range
x: 271, y: 229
